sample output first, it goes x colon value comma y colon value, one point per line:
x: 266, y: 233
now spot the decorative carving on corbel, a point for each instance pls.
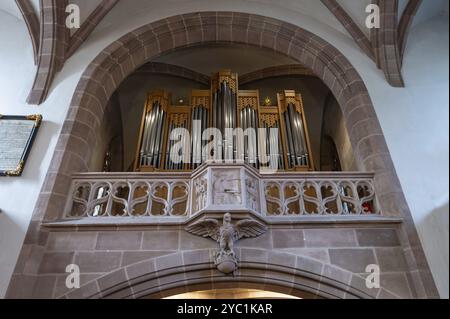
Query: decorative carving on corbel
x: 226, y: 235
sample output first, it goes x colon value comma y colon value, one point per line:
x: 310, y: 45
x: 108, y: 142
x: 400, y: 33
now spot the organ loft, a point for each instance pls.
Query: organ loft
x: 273, y: 134
x: 223, y: 149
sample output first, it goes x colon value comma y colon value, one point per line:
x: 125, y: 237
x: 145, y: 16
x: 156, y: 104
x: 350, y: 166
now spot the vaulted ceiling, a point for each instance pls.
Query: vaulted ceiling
x: 54, y: 44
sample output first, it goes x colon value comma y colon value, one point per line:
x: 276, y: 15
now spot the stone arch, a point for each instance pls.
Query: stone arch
x: 173, y: 70
x: 105, y: 73
x: 190, y: 271
x: 275, y: 71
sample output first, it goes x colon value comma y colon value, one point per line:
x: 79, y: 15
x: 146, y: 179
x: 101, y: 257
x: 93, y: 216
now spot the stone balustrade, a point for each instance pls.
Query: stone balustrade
x: 221, y: 187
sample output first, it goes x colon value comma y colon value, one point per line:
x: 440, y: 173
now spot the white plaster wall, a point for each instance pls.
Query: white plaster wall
x: 414, y: 119
x: 18, y: 195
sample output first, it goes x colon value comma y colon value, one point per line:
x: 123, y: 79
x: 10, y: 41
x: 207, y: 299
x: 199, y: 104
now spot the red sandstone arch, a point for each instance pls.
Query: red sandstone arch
x: 103, y: 76
x: 173, y: 70
x: 190, y: 271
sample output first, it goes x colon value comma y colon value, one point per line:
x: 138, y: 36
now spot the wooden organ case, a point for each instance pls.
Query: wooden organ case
x: 224, y: 107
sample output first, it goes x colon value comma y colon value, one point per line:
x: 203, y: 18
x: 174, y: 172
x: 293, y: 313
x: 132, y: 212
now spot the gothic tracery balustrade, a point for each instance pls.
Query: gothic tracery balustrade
x: 221, y: 187
x: 103, y: 197
x: 320, y: 197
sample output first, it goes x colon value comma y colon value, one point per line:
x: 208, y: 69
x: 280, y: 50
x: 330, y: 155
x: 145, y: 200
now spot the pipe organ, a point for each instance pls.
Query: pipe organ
x: 274, y: 136
x: 298, y: 148
x: 201, y: 110
x: 151, y: 144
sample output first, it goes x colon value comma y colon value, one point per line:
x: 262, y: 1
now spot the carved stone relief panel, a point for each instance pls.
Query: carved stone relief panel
x: 252, y: 192
x: 200, y: 193
x: 227, y: 187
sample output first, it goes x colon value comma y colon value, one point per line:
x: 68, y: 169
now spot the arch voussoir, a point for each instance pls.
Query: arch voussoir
x: 155, y: 278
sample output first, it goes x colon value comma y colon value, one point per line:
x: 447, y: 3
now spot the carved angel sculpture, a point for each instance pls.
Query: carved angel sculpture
x: 227, y: 234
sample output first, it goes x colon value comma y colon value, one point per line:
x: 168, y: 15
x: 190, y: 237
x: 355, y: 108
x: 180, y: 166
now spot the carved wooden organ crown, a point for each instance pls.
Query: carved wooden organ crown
x: 272, y: 134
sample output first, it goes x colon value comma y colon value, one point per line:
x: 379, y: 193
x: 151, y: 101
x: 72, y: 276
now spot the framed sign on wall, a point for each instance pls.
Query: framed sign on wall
x: 17, y: 134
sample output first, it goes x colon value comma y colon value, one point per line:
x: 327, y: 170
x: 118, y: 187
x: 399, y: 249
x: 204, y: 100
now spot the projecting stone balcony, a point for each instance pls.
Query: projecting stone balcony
x: 176, y: 198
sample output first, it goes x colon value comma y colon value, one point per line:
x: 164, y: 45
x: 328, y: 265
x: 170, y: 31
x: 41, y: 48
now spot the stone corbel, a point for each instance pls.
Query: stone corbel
x: 226, y: 235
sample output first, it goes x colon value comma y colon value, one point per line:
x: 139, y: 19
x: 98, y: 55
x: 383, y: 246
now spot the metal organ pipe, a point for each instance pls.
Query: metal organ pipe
x: 219, y: 122
x: 200, y: 114
x: 180, y: 166
x: 221, y: 118
x: 148, y: 131
x: 252, y: 148
x: 158, y: 139
x: 295, y: 134
x: 299, y: 137
x: 268, y: 142
x: 243, y: 125
x: 249, y: 149
x: 289, y: 136
x: 225, y: 117
x: 144, y: 140
x: 248, y: 120
x: 255, y: 127
x: 198, y: 137
x: 305, y: 159
x: 250, y: 144
x: 218, y: 143
x: 204, y: 128
x: 193, y: 137
x: 226, y: 104
x: 169, y: 163
x: 273, y: 147
x: 234, y: 123
x: 152, y: 139
x: 231, y: 101
x: 296, y: 137
x: 227, y: 120
x: 214, y: 104
x: 253, y: 117
x: 302, y: 141
x: 280, y: 147
x: 241, y: 156
x: 152, y: 135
